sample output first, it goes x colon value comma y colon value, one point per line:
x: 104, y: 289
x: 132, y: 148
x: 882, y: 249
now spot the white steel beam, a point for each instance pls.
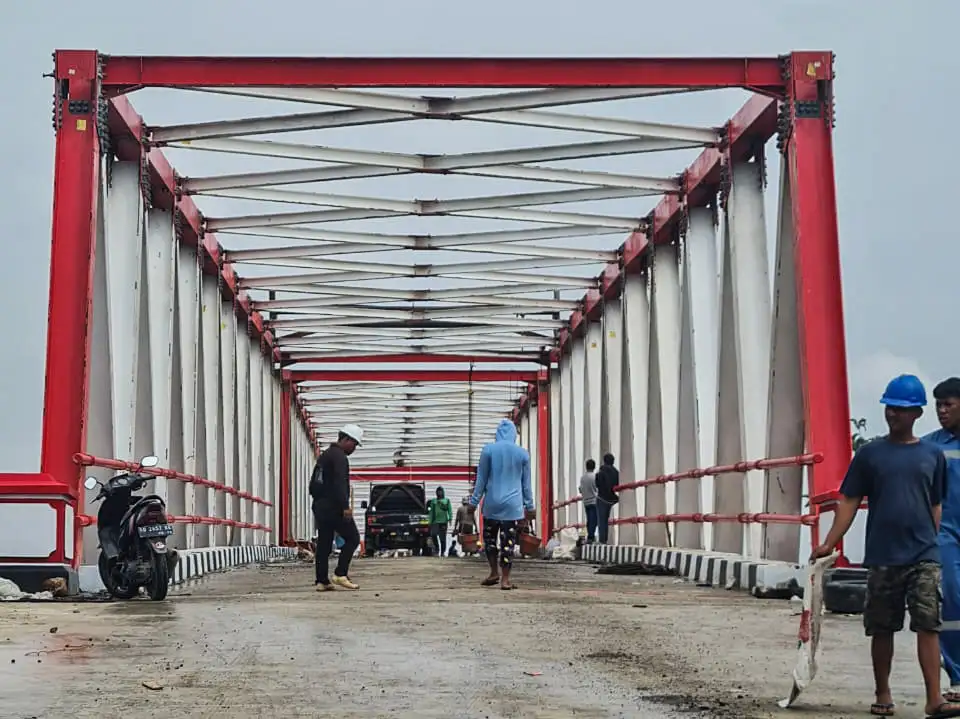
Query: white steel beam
x: 577, y: 421
x: 751, y: 298
x: 611, y: 386
x: 430, y: 207
x: 635, y: 403
x: 698, y: 369
x: 592, y: 396
x: 556, y: 442
x: 786, y: 437
x: 395, y: 162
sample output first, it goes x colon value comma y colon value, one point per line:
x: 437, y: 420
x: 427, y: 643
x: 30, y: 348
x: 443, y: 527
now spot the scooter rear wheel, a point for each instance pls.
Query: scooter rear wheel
x: 113, y: 587
x: 159, y: 578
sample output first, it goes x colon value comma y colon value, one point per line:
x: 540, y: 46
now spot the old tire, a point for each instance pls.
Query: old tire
x: 845, y: 574
x: 844, y: 597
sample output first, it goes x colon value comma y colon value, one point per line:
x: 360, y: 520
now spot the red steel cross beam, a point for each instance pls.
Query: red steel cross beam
x: 123, y: 74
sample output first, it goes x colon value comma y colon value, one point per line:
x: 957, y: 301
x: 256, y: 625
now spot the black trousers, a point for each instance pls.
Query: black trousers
x: 603, y: 520
x: 330, y: 523
x: 439, y: 534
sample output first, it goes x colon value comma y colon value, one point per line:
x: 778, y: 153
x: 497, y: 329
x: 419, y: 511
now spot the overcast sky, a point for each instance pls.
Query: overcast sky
x: 894, y: 157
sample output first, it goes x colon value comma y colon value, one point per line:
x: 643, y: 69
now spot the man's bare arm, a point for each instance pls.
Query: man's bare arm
x: 842, y: 519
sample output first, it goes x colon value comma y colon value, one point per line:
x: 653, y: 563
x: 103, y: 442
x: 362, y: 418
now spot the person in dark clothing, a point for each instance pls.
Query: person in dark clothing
x: 330, y: 490
x: 607, y: 478
x: 904, y: 478
x: 440, y: 514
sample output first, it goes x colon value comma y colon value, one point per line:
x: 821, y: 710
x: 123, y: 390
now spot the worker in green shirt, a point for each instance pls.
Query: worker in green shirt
x: 440, y: 513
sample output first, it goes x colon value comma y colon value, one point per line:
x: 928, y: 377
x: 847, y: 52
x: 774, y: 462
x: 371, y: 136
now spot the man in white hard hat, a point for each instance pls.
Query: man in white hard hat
x: 330, y: 489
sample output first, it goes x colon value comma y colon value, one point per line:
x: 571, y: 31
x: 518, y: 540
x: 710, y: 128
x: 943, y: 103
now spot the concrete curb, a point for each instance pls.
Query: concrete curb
x: 729, y: 571
x: 195, y: 563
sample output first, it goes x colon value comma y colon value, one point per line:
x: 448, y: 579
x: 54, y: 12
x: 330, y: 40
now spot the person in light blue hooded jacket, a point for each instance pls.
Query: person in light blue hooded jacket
x: 503, y: 483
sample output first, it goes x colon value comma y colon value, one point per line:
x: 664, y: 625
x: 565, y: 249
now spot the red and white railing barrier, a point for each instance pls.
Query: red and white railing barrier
x: 88, y: 460
x: 741, y: 467
x: 85, y: 520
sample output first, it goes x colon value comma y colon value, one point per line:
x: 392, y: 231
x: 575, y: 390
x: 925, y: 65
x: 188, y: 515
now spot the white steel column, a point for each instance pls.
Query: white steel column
x: 593, y: 393
x: 566, y: 435
x: 243, y: 426
x: 228, y: 397
x: 785, y: 485
x: 100, y: 431
x: 612, y: 390
x: 161, y: 253
x: 123, y: 244
x: 212, y: 387
x: 634, y: 404
x: 187, y: 373
x: 744, y: 358
x: 256, y: 475
x: 698, y: 373
x: 663, y: 389
x: 533, y: 435
x: 556, y: 444
x: 578, y: 419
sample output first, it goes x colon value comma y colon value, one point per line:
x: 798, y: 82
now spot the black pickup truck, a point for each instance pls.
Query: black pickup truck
x: 396, y: 518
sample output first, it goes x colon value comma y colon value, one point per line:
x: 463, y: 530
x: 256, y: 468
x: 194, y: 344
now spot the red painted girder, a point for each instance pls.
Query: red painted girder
x: 124, y: 73
x: 413, y: 358
x: 418, y: 469
x: 393, y: 375
x: 753, y: 124
x: 127, y: 132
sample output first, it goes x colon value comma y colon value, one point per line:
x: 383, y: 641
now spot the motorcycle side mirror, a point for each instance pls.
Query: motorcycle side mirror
x: 149, y: 461
x: 90, y: 482
x: 363, y: 504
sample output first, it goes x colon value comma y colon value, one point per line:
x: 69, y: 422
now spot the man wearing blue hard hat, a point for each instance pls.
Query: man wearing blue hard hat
x: 904, y: 479
x: 947, y: 397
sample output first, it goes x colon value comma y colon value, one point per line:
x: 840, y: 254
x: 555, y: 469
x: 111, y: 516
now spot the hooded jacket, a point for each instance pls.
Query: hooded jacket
x: 503, y: 477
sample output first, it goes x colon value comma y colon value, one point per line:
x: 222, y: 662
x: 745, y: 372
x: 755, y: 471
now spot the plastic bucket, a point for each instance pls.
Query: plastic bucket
x: 470, y: 542
x: 529, y: 543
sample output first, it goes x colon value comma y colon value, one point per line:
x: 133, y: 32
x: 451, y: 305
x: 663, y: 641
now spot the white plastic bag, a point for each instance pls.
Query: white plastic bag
x: 811, y: 619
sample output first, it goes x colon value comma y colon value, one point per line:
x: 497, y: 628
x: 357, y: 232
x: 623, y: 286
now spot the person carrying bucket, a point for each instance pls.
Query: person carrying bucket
x: 503, y: 483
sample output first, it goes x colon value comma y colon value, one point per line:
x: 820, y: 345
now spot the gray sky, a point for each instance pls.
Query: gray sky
x: 893, y: 157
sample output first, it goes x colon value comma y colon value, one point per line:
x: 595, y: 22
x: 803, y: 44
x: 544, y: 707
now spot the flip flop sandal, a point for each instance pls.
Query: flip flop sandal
x: 942, y: 712
x: 882, y: 710
x: 507, y: 589
x: 489, y: 582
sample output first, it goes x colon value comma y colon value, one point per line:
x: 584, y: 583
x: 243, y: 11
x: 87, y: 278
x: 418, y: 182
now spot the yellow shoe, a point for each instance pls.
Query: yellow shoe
x: 344, y: 583
x: 328, y: 587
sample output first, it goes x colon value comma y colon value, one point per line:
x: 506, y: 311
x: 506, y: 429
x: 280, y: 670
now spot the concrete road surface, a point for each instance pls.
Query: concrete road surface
x: 423, y: 639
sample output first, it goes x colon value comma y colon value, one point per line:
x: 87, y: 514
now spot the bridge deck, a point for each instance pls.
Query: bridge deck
x: 422, y: 639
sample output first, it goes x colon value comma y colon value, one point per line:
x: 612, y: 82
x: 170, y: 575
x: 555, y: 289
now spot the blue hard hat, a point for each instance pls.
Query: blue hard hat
x: 905, y: 391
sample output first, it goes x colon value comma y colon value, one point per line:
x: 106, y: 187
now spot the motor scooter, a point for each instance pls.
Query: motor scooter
x: 133, y: 533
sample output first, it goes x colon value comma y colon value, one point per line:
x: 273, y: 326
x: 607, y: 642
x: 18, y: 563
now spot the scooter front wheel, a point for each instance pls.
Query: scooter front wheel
x: 114, y: 587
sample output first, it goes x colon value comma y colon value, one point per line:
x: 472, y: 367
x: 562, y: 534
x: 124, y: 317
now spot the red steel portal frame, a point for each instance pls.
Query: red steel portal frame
x: 794, y: 91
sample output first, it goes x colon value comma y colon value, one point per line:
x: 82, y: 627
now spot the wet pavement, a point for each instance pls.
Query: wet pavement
x: 422, y: 639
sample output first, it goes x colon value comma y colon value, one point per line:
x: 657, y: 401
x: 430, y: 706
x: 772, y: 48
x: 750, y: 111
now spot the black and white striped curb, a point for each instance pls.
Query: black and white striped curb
x: 194, y: 563
x: 729, y: 571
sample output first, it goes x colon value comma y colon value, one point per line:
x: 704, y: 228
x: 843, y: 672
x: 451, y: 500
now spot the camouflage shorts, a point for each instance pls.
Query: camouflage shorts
x: 891, y: 589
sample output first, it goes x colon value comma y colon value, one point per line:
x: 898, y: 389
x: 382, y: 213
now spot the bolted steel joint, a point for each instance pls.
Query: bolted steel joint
x: 784, y: 126
x: 726, y: 180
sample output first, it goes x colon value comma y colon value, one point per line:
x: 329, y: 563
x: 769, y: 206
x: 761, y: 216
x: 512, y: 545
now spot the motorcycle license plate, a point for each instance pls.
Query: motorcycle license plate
x: 155, y: 530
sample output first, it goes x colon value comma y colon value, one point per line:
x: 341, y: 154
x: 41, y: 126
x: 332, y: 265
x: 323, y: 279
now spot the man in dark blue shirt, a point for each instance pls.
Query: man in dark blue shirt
x: 947, y: 438
x: 904, y: 480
